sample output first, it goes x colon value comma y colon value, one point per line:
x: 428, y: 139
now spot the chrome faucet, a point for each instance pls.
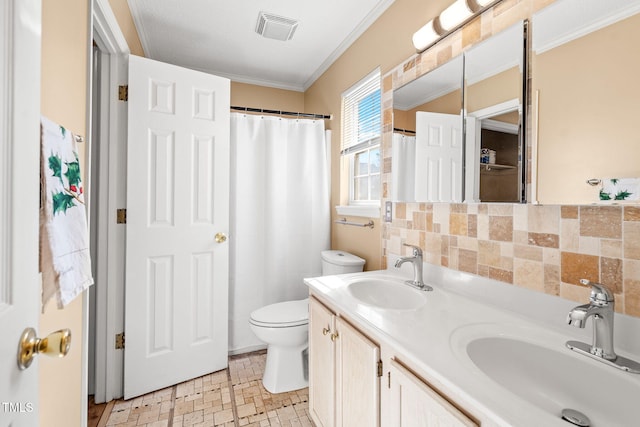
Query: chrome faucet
x: 601, y: 310
x: 416, y: 260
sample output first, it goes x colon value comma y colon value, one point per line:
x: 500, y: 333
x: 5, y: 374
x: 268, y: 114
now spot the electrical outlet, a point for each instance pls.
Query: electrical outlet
x: 388, y: 206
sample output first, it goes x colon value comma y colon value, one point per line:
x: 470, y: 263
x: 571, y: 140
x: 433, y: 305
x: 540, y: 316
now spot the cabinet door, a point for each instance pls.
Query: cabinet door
x: 322, y: 378
x: 358, y: 393
x: 415, y: 404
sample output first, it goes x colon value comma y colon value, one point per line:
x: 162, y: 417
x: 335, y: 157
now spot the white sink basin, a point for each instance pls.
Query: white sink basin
x: 555, y: 379
x: 387, y: 293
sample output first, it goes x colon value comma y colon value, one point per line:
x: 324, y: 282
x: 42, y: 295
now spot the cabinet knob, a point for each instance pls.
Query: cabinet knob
x: 334, y: 336
x: 325, y: 331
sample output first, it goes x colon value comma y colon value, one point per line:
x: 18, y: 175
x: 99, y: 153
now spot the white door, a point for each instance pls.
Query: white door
x: 19, y: 186
x: 176, y: 284
x: 438, y: 157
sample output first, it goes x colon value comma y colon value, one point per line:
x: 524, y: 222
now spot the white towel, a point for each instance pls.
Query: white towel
x: 620, y: 189
x: 64, y: 241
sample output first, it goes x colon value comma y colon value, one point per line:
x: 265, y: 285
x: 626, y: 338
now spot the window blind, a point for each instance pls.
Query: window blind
x: 361, y: 112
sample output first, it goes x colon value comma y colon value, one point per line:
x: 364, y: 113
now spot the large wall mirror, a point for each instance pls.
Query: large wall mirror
x: 427, y: 150
x: 458, y: 129
x: 585, y: 77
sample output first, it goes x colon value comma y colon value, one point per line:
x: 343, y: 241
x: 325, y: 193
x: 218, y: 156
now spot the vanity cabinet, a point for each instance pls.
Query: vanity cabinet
x: 413, y: 403
x: 344, y: 372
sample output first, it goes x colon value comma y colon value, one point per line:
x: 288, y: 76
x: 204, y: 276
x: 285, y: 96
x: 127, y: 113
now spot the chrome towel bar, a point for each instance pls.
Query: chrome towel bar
x: 344, y: 221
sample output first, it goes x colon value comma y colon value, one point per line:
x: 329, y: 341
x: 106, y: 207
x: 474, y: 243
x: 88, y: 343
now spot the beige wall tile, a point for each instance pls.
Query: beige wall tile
x: 611, y: 274
x: 489, y: 253
x: 528, y: 274
x: 601, y: 221
x: 544, y: 239
x: 544, y: 219
x: 569, y: 212
x: 632, y: 240
x: 501, y: 275
x: 589, y: 245
x: 532, y: 253
x: 501, y: 228
x: 467, y: 261
x: 632, y: 287
x: 611, y: 248
x: 520, y: 217
x: 552, y: 279
x: 632, y: 213
x: 576, y: 266
x: 570, y: 235
x: 458, y: 223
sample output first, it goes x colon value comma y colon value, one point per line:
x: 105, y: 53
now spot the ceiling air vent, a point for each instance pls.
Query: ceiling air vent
x: 275, y: 27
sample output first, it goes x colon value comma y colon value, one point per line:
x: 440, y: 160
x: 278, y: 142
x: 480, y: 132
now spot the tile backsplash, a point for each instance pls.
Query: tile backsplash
x: 547, y: 248
x: 544, y: 248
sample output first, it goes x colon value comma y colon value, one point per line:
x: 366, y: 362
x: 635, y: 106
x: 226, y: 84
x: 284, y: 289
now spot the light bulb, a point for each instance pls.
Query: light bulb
x: 425, y: 36
x: 455, y: 14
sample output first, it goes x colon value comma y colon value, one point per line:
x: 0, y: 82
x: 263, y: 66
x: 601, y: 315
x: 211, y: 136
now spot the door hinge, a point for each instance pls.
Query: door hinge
x: 120, y: 341
x: 379, y: 368
x: 123, y: 93
x: 121, y: 216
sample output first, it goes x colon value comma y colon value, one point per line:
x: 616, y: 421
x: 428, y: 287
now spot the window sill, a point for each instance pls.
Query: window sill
x: 362, y: 211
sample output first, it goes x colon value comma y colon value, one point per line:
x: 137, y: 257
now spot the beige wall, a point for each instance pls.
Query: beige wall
x: 451, y: 103
x: 587, y: 115
x: 125, y: 21
x: 494, y: 90
x: 247, y: 95
x: 63, y: 99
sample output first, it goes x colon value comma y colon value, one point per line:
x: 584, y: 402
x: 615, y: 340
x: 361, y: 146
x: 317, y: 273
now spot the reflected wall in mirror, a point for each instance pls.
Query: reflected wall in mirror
x: 585, y: 73
x: 493, y: 105
x: 427, y: 148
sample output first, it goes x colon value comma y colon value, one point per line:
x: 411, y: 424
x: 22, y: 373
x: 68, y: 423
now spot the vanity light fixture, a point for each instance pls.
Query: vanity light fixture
x: 425, y: 36
x: 455, y: 14
x: 449, y: 20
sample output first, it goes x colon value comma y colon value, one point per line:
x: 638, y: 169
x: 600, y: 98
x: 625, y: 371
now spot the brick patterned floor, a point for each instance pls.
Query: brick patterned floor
x: 233, y: 397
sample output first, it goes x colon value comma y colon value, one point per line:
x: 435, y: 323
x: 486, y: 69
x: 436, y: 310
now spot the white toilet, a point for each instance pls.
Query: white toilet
x: 284, y: 326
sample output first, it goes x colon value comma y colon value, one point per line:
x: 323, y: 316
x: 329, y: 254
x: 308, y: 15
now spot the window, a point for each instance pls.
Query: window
x: 361, y: 128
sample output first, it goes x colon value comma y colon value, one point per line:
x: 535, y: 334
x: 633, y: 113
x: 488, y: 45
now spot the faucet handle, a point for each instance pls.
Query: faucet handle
x: 416, y: 249
x: 600, y: 294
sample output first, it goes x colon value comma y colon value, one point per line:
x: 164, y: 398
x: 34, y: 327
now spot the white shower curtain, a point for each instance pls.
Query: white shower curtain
x: 403, y: 168
x: 279, y: 214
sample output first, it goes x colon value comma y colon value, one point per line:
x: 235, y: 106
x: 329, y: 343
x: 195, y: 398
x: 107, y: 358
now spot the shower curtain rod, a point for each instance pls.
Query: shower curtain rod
x: 283, y: 113
x: 404, y: 130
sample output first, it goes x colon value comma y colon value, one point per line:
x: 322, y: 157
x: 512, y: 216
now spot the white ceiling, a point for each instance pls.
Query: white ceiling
x: 219, y: 37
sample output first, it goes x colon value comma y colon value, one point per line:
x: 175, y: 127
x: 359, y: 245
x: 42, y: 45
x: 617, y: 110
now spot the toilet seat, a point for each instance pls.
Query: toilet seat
x: 282, y: 314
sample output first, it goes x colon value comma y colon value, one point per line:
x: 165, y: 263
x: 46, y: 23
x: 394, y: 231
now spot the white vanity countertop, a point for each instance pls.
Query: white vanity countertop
x: 463, y: 307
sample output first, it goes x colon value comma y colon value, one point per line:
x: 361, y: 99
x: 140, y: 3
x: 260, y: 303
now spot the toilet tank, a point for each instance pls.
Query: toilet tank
x: 340, y: 262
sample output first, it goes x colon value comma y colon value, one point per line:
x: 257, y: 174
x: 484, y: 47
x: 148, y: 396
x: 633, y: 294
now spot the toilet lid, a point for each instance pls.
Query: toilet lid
x: 282, y: 314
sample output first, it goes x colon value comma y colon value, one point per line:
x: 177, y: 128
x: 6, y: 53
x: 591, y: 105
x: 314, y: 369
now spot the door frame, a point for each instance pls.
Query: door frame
x: 473, y: 125
x: 111, y: 188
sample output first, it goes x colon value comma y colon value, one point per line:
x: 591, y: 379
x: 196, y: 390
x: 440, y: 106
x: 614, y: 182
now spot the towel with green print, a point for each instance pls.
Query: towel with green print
x: 64, y: 241
x: 620, y: 189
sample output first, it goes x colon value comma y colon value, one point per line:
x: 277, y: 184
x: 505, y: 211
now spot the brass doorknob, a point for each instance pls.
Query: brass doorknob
x: 220, y: 237
x: 56, y: 343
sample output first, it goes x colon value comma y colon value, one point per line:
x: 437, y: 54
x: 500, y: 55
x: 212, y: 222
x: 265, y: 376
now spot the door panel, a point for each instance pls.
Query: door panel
x: 415, y: 404
x: 322, y: 380
x: 358, y: 359
x: 438, y: 157
x: 19, y: 186
x: 177, y: 200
